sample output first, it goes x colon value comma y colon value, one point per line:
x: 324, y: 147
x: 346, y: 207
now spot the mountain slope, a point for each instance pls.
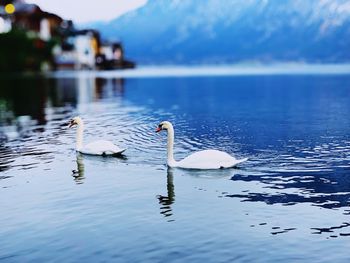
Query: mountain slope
x: 211, y: 31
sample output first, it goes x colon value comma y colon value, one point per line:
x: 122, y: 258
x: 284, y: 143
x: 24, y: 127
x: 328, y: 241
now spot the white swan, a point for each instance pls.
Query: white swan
x: 207, y: 159
x: 100, y: 147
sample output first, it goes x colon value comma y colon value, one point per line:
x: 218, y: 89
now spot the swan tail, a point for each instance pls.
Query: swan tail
x: 240, y: 161
x: 120, y: 152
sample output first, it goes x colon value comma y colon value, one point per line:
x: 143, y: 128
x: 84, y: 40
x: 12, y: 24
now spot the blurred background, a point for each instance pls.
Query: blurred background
x: 49, y: 35
x: 267, y: 80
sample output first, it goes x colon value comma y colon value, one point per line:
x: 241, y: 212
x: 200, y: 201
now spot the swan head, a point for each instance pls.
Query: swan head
x: 164, y: 125
x: 75, y: 121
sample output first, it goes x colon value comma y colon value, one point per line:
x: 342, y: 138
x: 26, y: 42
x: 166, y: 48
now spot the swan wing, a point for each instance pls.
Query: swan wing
x: 209, y: 159
x: 101, y: 147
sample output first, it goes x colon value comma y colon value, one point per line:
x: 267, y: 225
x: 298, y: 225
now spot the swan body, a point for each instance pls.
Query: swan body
x: 207, y: 159
x: 100, y: 147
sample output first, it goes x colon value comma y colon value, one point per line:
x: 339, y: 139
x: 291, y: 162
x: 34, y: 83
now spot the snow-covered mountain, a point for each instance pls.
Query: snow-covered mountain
x: 229, y: 31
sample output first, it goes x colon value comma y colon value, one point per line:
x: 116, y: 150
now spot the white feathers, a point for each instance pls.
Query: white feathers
x: 100, y: 147
x: 207, y: 159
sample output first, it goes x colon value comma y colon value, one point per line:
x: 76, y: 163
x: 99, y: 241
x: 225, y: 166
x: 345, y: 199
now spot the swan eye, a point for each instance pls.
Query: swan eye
x: 160, y: 126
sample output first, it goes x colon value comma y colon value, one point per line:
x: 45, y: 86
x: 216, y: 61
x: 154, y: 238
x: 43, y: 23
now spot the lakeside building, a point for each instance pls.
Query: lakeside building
x: 54, y: 43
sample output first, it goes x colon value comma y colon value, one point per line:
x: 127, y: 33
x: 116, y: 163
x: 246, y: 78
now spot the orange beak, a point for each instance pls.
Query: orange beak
x: 158, y: 129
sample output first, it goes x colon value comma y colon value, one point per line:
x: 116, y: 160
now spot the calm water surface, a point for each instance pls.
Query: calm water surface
x: 289, y: 201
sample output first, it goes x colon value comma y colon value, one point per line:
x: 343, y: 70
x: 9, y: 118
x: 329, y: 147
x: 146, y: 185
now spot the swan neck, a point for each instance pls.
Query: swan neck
x: 170, y: 147
x: 79, y: 144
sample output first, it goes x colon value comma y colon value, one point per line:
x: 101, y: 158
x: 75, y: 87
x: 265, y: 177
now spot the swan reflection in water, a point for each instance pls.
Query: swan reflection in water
x: 166, y: 201
x: 78, y: 174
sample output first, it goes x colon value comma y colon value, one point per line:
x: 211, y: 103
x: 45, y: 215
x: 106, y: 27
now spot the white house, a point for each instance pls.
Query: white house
x: 85, y: 52
x: 5, y: 25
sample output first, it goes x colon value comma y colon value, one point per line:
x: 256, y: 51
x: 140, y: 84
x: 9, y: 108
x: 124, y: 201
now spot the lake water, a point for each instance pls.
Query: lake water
x: 289, y: 201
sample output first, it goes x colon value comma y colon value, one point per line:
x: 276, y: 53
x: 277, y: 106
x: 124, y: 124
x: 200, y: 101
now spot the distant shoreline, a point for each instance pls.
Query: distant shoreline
x: 212, y: 70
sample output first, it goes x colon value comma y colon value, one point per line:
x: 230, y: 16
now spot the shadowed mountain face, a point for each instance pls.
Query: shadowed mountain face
x: 226, y: 31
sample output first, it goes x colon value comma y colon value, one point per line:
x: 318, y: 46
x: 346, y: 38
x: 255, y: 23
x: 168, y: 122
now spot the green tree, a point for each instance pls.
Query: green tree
x: 18, y: 52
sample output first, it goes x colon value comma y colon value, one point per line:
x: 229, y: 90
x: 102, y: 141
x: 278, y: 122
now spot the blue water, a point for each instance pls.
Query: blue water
x: 289, y: 201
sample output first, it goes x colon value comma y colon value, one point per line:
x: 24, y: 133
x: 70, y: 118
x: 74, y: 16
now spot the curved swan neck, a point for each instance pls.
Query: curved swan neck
x: 170, y: 147
x: 79, y: 143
